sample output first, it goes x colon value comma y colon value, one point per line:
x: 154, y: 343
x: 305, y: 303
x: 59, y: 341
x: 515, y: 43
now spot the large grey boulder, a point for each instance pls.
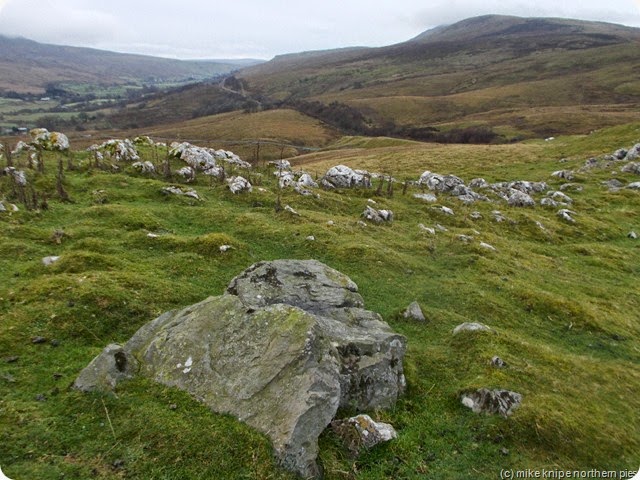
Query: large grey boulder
x: 342, y: 176
x: 286, y: 346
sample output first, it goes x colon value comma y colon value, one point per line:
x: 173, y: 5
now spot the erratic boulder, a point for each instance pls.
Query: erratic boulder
x: 287, y: 345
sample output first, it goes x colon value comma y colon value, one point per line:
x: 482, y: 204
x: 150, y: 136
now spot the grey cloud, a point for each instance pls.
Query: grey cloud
x: 263, y: 28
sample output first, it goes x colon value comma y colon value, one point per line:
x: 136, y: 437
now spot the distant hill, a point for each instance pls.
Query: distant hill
x: 485, y: 79
x: 28, y: 67
x: 534, y: 76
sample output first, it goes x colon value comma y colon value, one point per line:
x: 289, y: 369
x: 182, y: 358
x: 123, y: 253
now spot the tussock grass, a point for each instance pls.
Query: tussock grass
x: 562, y: 302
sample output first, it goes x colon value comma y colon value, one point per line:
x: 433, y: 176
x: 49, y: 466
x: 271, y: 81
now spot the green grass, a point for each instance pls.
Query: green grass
x: 563, y: 302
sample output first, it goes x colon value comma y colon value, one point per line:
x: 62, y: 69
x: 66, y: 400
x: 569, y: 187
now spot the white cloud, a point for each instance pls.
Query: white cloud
x: 57, y: 22
x: 263, y: 28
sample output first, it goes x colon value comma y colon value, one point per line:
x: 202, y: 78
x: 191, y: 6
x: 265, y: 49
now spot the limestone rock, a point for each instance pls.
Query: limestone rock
x: 290, y: 209
x: 50, y: 260
x: 561, y: 197
x: 445, y: 210
x: 427, y: 197
x: 341, y: 176
x: 634, y: 186
x: 285, y: 178
x: 565, y: 174
x: 620, y: 154
x: 306, y: 180
x: 429, y: 230
x: 613, y: 184
x: 144, y: 167
x: 239, y: 185
x: 414, y: 312
x: 518, y: 198
x: 633, y: 153
x: 479, y: 183
x: 632, y: 167
x: 440, y: 183
x: 196, y: 157
x: 566, y: 215
x: 501, y: 402
x: 230, y: 158
x: 471, y: 327
x: 497, y: 362
x: 285, y: 347
x: 19, y: 177
x: 281, y: 164
x: 548, y: 202
x: 144, y: 140
x: 188, y: 173
x: 118, y: 150
x: 498, y: 217
x: 46, y: 140
x: 571, y: 186
x: 362, y: 431
x: 377, y: 216
x: 632, y: 235
x: 180, y: 191
x: 488, y: 246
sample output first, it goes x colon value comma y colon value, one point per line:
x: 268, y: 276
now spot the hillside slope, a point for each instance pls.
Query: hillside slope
x: 28, y: 66
x: 560, y: 297
x: 508, y: 67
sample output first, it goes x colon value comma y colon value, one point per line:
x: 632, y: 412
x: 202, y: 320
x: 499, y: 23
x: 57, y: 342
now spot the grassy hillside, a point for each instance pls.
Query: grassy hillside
x: 278, y: 133
x: 493, y: 70
x: 562, y: 300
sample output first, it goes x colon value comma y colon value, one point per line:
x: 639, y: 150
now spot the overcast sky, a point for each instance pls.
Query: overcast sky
x: 264, y: 28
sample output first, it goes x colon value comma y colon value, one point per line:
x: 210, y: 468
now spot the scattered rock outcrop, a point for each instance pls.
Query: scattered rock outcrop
x: 377, y: 216
x: 427, y: 197
x: 144, y: 167
x: 362, y: 432
x: 180, y: 191
x: 287, y: 345
x: 239, y: 184
x: 342, y: 176
x: 518, y: 198
x: 567, y: 215
x: 46, y: 140
x: 19, y: 176
x: 115, y: 149
x: 500, y: 402
x: 632, y: 167
x: 414, y: 312
x: 205, y: 159
x: 471, y: 327
x: 633, y: 153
